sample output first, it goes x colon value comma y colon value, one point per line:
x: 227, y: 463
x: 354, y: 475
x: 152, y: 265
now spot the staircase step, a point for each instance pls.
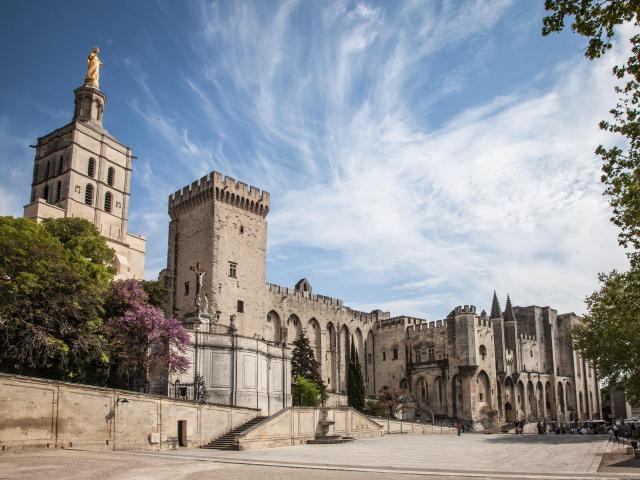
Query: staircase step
x: 226, y: 441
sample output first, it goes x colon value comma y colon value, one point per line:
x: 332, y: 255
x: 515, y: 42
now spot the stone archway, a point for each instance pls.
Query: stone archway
x: 344, y: 344
x: 294, y: 328
x: 315, y: 338
x: 509, y: 414
x: 275, y: 325
x: 457, y: 397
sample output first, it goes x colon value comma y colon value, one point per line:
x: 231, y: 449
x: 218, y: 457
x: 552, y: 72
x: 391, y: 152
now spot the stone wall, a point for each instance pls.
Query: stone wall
x: 38, y: 413
x: 295, y: 426
x: 393, y: 426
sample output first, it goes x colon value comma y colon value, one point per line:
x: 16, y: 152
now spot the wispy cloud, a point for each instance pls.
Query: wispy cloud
x: 365, y: 123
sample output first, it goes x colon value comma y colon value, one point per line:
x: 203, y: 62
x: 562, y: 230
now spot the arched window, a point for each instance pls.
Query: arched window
x: 88, y: 194
x: 46, y: 170
x: 45, y: 194
x: 60, y: 165
x: 91, y: 167
x: 58, y: 189
x: 111, y: 176
x: 107, y: 202
x: 384, y: 355
x: 395, y: 353
x: 483, y: 352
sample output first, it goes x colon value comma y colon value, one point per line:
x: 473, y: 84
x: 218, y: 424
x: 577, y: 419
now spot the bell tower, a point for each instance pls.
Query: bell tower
x: 81, y: 170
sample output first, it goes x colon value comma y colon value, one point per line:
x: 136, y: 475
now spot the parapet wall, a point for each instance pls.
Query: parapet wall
x: 223, y: 188
x: 37, y: 413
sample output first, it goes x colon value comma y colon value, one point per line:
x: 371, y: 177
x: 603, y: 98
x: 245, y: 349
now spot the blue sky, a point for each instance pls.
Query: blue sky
x: 419, y: 155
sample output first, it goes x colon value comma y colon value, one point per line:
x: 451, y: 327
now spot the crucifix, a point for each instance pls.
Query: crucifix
x: 199, y: 275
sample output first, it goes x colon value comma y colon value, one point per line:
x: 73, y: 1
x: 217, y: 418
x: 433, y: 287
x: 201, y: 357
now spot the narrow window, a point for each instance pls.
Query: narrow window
x: 384, y: 355
x: 91, y: 167
x: 241, y: 229
x: 46, y: 170
x: 111, y: 175
x: 35, y: 173
x: 107, y: 202
x: 186, y: 288
x: 531, y: 353
x: 480, y: 397
x: 45, y: 194
x: 240, y: 306
x: 483, y: 352
x: 233, y: 269
x: 60, y: 165
x: 431, y: 354
x: 395, y: 353
x: 88, y: 194
x: 58, y: 189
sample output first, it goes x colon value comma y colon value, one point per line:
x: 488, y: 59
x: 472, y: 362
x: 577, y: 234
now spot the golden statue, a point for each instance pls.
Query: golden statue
x: 92, y: 78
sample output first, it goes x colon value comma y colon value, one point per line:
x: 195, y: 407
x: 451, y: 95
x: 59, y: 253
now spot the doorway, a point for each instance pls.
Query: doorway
x: 182, y: 433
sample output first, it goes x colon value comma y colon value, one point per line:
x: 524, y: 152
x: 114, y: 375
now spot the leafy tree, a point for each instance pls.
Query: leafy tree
x: 608, y: 335
x: 51, y: 295
x: 305, y: 393
x: 156, y: 293
x: 200, y: 387
x: 140, y: 335
x: 303, y: 361
x: 355, y: 383
x: 392, y: 398
x: 375, y: 408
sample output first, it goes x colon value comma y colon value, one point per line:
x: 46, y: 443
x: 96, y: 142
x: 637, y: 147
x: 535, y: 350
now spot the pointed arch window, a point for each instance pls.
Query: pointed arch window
x: 58, y: 191
x: 88, y: 194
x: 111, y: 176
x: 91, y: 167
x: 108, y: 200
x: 45, y: 194
x: 46, y: 170
x: 395, y: 353
x: 60, y: 165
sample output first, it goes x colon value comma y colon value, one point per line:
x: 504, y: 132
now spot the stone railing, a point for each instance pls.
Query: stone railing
x: 395, y: 426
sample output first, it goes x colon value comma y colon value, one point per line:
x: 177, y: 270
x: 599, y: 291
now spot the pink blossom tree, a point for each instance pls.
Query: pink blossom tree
x: 141, y: 336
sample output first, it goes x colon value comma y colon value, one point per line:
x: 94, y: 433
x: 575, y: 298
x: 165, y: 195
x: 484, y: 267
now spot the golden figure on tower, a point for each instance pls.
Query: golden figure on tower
x: 92, y: 78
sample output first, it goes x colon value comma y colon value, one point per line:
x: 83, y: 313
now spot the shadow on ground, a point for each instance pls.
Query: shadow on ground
x: 550, y: 438
x: 630, y: 463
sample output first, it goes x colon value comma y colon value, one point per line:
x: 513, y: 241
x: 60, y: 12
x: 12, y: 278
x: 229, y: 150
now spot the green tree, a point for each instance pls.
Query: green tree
x: 608, y: 336
x: 305, y: 393
x: 157, y: 293
x: 51, y: 295
x: 355, y: 383
x: 303, y: 361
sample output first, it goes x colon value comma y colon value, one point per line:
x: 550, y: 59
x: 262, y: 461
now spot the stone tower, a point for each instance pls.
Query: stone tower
x: 80, y: 170
x: 218, y: 225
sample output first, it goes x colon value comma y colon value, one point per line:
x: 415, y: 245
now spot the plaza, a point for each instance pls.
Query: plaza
x: 403, y: 456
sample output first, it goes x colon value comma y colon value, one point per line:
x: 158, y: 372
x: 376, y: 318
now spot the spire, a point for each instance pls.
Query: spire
x: 508, y: 311
x: 495, y: 307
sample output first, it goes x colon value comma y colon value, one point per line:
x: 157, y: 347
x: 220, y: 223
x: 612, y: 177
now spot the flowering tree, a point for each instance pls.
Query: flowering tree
x: 140, y: 335
x: 392, y: 398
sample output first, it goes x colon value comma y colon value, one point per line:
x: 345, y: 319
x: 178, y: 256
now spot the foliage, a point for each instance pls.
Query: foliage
x: 596, y: 20
x: 51, y: 294
x: 156, y: 293
x: 140, y: 334
x: 608, y: 338
x: 83, y: 241
x: 392, y: 398
x: 304, y: 363
x: 609, y: 335
x: 200, y: 388
x: 375, y: 408
x: 355, y: 383
x: 305, y: 392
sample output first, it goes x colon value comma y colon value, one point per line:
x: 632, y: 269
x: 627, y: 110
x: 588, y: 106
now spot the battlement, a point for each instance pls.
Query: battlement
x: 222, y: 188
x: 459, y: 310
x: 306, y: 296
x: 424, y: 326
x: 401, y: 321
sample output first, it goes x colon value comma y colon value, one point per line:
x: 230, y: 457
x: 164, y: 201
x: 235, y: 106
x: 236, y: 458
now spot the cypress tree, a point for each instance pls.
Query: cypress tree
x: 304, y: 363
x: 355, y: 383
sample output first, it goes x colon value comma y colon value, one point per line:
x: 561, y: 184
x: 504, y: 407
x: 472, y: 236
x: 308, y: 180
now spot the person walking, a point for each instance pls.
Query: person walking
x: 616, y: 431
x: 459, y: 428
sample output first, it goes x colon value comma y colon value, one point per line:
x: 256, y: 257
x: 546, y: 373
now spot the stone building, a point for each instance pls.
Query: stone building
x: 81, y: 170
x: 517, y: 363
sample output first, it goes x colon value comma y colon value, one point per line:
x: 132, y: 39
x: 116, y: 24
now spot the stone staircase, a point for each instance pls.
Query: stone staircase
x: 225, y: 442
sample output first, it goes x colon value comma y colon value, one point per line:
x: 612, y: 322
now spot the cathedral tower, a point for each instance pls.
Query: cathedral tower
x: 80, y: 170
